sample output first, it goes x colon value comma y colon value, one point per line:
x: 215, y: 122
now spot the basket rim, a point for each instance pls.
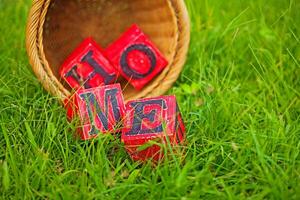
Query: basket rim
x: 41, y: 67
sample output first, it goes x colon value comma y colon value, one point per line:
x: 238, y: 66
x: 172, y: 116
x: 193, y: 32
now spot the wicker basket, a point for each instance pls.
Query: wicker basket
x: 56, y: 27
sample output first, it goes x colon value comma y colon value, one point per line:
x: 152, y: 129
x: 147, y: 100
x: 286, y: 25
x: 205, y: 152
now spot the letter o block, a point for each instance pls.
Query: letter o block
x: 152, y: 119
x: 87, y: 67
x: 136, y: 57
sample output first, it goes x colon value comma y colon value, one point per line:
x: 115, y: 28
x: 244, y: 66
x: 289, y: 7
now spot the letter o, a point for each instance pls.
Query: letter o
x: 128, y: 70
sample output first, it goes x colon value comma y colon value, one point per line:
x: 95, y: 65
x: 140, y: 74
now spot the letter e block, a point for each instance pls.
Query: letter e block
x: 152, y: 119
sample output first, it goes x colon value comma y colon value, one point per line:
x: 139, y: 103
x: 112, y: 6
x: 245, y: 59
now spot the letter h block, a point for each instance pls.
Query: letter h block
x: 87, y: 67
x: 136, y: 58
x: 152, y: 119
x: 100, y: 110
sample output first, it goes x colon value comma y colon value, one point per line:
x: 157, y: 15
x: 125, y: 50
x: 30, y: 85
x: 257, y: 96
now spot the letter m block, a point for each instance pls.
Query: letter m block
x: 152, y: 119
x: 101, y: 110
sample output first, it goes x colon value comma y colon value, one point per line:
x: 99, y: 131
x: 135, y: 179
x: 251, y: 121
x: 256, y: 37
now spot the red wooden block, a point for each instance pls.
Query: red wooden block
x: 136, y: 57
x: 87, y: 67
x: 152, y: 119
x: 101, y: 110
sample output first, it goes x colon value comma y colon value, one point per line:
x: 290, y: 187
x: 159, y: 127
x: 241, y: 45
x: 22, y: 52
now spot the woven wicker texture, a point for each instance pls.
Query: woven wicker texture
x: 56, y: 27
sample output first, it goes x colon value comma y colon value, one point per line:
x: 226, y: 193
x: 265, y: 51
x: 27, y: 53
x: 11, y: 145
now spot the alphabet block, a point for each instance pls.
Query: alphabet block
x: 136, y: 57
x: 152, y: 119
x: 87, y: 67
x: 101, y: 110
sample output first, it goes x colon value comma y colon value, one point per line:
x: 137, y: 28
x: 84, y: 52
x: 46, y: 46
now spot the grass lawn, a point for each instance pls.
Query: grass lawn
x: 239, y: 94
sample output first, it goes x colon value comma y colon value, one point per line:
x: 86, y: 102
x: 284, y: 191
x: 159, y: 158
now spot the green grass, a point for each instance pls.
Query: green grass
x: 239, y: 94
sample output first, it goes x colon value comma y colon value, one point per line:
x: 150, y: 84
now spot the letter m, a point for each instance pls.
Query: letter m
x: 97, y: 113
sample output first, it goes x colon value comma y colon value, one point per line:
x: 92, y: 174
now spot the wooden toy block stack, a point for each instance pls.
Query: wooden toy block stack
x: 92, y: 72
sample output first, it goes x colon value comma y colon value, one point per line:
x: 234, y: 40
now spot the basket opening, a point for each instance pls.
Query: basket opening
x: 69, y: 22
